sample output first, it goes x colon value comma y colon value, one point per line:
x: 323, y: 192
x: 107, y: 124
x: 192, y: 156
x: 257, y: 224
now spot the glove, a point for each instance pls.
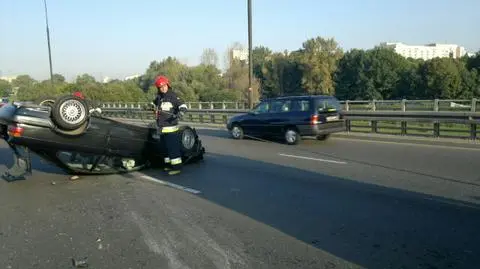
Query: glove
x: 182, y: 111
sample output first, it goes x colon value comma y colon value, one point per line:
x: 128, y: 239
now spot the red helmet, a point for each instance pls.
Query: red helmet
x: 161, y: 80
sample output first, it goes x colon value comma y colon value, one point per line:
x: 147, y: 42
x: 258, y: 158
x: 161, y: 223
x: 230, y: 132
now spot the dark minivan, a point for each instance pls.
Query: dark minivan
x: 290, y: 118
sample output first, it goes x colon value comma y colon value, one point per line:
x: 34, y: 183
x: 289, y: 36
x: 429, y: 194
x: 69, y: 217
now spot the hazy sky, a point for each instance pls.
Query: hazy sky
x: 117, y: 38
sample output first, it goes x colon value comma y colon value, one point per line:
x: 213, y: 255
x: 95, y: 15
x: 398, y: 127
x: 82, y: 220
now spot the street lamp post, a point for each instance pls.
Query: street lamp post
x: 48, y: 41
x: 250, y: 56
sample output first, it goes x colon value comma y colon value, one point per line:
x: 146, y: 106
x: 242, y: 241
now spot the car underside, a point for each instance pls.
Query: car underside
x: 79, y: 140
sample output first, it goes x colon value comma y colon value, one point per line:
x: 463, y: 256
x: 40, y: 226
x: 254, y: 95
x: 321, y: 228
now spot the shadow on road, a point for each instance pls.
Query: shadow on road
x: 220, y: 133
x: 373, y: 226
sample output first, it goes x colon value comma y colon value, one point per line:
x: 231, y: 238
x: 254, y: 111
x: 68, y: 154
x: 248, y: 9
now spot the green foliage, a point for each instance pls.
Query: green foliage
x: 320, y: 66
x: 5, y: 88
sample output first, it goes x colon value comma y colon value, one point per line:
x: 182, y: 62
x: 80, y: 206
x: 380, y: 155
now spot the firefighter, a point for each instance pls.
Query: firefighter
x: 168, y: 107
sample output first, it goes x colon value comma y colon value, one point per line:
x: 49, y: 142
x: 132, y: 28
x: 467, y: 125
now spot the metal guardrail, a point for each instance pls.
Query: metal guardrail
x: 349, y: 105
x: 455, y: 124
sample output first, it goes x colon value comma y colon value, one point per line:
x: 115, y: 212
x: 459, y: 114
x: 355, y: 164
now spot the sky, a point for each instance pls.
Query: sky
x: 118, y: 38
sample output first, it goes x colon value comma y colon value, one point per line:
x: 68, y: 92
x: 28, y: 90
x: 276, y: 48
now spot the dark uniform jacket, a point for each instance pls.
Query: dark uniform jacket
x: 169, y: 105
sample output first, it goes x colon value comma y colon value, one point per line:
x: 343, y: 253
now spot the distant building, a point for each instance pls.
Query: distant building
x: 9, y: 78
x: 426, y: 52
x: 240, y: 54
x: 132, y: 77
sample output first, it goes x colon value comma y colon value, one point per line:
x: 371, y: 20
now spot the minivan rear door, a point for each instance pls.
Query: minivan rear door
x: 328, y: 110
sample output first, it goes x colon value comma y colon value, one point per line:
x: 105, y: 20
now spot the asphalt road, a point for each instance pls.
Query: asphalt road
x: 255, y: 204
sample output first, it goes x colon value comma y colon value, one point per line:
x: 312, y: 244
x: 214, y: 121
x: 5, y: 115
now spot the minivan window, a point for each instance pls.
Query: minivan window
x: 328, y: 105
x: 300, y: 105
x: 279, y: 106
x: 262, y: 107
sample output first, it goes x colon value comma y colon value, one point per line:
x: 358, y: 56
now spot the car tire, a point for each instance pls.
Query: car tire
x: 45, y: 101
x: 237, y: 132
x: 188, y: 139
x: 70, y: 112
x: 291, y: 136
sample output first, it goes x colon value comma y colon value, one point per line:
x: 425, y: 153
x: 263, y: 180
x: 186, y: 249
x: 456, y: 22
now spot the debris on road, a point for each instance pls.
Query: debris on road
x: 80, y: 263
x: 74, y: 177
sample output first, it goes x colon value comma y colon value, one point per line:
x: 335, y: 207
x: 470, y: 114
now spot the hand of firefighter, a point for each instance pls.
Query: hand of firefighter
x: 182, y: 112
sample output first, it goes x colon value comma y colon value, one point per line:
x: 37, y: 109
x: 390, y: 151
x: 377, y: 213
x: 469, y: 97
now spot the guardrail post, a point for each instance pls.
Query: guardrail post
x: 224, y: 106
x: 347, y: 105
x: 211, y: 105
x: 348, y: 126
x: 212, y: 118
x: 374, y: 126
x: 225, y: 119
x: 403, y: 105
x: 474, y: 105
x: 436, y: 129
x: 404, y: 127
x: 374, y: 105
x: 435, y: 105
x: 473, y: 131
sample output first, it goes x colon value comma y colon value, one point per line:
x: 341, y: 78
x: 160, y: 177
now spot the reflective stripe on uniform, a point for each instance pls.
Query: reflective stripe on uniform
x: 176, y: 161
x: 169, y: 129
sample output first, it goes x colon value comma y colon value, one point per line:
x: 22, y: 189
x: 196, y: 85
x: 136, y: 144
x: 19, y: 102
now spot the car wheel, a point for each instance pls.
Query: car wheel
x: 292, y: 137
x: 70, y: 112
x: 237, y: 132
x: 188, y: 139
x: 45, y: 101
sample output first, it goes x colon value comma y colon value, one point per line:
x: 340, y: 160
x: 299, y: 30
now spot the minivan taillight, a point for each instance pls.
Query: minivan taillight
x: 314, y: 119
x: 14, y: 131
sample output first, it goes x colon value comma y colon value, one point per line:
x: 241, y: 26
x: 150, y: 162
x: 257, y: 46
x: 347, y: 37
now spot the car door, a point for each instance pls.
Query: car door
x: 328, y: 110
x: 255, y: 122
x: 277, y: 117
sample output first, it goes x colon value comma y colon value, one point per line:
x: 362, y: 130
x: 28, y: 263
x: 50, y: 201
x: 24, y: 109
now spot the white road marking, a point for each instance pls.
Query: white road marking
x: 310, y: 158
x: 156, y: 180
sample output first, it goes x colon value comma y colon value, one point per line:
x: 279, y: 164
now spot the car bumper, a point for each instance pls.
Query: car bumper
x: 322, y: 129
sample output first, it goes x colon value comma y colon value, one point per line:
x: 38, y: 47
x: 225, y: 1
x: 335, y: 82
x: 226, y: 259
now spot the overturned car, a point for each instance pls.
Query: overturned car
x: 79, y: 140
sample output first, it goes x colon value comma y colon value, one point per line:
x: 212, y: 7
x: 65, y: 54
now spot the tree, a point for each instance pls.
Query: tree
x: 441, y: 79
x: 209, y: 57
x: 5, y: 88
x: 318, y: 60
x: 351, y: 81
x: 85, y: 79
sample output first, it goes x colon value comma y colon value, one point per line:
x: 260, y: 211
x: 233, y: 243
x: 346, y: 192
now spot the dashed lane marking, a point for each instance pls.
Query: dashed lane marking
x: 310, y: 158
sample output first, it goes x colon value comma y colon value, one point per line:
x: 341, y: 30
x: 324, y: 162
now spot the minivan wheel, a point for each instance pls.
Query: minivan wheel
x: 292, y: 137
x: 237, y: 132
